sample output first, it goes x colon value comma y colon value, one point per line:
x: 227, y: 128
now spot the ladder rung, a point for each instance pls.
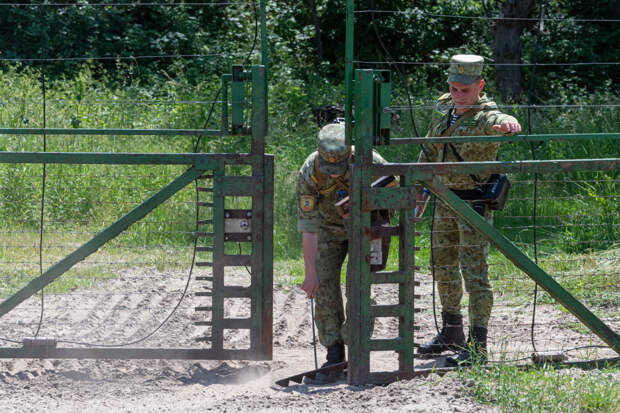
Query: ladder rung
x: 204, y: 264
x: 203, y: 234
x: 386, y: 344
x: 210, y: 222
x: 204, y: 204
x: 203, y: 339
x: 203, y: 323
x: 204, y: 278
x: 204, y: 249
x: 205, y: 176
x: 203, y: 293
x: 203, y: 308
x: 391, y: 277
x: 204, y: 189
x: 388, y: 310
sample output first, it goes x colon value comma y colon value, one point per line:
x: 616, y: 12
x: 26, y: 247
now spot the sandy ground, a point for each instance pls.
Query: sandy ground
x: 131, y: 305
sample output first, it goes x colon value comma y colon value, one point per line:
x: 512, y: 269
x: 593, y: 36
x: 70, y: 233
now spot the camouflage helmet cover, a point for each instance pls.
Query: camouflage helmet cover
x: 333, y: 152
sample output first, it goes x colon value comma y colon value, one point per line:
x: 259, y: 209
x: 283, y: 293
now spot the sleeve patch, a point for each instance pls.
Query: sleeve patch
x: 306, y: 203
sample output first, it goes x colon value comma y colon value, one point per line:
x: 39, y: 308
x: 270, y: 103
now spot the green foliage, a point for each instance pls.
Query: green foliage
x: 545, y: 389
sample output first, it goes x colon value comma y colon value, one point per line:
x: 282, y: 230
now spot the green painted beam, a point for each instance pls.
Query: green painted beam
x: 508, y: 138
x: 389, y: 198
x: 98, y: 240
x: 348, y: 71
x: 85, y: 131
x: 264, y: 55
x: 204, y: 161
x: 514, y: 254
x: 424, y: 171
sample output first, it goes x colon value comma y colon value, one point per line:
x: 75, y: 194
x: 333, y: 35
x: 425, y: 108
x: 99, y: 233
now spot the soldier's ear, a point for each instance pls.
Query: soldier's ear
x: 481, y: 84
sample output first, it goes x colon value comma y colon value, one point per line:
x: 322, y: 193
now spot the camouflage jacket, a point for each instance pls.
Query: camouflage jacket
x: 480, y: 124
x: 315, y: 206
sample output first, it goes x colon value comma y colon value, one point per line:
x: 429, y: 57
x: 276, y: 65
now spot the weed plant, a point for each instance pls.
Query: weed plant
x: 545, y: 389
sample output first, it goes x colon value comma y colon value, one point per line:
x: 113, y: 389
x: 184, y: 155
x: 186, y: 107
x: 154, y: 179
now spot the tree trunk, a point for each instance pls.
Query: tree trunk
x: 317, y: 34
x: 507, y: 46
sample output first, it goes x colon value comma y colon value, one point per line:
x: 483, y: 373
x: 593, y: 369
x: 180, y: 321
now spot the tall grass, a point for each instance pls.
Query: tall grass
x: 89, y: 195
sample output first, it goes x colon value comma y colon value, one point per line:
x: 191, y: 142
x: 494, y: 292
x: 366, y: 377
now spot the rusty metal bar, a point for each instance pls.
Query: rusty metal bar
x: 507, y: 138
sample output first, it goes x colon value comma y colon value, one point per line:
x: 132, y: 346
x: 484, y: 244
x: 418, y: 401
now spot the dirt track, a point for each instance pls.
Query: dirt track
x: 133, y: 304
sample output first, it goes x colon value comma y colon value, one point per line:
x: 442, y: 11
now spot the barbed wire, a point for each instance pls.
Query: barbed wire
x: 85, y: 58
x: 515, y: 106
x: 491, y: 64
x: 127, y: 4
x: 460, y: 16
x: 110, y: 101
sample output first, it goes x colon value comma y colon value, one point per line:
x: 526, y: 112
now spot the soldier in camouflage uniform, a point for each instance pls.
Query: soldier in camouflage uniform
x: 456, y: 246
x: 323, y: 180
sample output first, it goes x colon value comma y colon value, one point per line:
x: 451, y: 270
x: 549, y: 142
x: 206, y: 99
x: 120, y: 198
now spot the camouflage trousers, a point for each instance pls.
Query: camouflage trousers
x: 329, y: 312
x: 459, y: 250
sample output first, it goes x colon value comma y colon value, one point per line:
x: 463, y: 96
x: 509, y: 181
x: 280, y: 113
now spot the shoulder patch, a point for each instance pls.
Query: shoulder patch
x: 306, y: 203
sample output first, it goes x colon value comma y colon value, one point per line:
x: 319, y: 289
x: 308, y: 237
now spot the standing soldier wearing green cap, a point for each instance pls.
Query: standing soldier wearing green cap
x: 323, y: 180
x: 456, y: 248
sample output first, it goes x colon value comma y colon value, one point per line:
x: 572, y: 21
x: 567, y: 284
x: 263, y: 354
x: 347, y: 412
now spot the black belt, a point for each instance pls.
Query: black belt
x: 468, y: 194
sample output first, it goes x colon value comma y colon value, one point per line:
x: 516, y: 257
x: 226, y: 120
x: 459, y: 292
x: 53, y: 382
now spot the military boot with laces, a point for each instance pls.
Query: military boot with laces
x: 335, y: 355
x: 475, y: 352
x: 450, y: 337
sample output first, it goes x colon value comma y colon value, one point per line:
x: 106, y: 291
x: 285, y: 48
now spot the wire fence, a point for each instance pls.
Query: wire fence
x: 151, y: 278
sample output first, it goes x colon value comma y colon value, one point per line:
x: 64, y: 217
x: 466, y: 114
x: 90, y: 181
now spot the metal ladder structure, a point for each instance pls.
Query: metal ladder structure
x: 369, y: 91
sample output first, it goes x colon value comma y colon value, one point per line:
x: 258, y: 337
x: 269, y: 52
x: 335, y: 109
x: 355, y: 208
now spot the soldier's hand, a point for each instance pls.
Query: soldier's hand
x: 310, y: 285
x: 508, y: 127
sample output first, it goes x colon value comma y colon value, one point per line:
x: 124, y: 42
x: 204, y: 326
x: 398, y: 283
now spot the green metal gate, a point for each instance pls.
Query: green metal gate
x: 369, y: 91
x: 218, y: 226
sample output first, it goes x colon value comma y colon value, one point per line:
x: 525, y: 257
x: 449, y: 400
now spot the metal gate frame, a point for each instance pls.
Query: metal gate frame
x: 370, y: 90
x: 365, y: 199
x: 258, y: 186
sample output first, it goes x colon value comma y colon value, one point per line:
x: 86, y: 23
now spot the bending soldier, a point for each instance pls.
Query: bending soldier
x: 323, y: 180
x: 456, y: 248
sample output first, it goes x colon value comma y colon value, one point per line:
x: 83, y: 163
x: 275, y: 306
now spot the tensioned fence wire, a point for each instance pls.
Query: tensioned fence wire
x: 121, y: 293
x: 570, y: 225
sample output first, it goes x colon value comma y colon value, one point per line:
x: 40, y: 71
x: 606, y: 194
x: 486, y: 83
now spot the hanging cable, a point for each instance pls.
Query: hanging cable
x: 44, y: 166
x: 533, y: 150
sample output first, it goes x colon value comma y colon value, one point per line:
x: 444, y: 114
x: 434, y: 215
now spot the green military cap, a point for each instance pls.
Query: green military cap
x: 334, y: 153
x: 465, y: 68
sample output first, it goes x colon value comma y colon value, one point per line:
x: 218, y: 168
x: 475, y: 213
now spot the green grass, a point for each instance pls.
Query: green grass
x: 545, y: 389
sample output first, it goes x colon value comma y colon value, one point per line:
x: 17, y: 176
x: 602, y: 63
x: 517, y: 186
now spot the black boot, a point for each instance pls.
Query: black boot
x: 474, y: 352
x: 335, y: 355
x: 451, y: 336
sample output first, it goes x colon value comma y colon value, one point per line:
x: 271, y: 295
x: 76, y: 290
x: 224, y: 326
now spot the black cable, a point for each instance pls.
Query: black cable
x: 443, y: 159
x: 535, y: 185
x: 44, y: 171
x: 401, y: 77
x: 433, y: 267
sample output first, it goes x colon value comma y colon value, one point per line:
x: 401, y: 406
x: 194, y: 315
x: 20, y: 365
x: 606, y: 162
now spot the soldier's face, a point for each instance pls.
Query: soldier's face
x: 465, y: 95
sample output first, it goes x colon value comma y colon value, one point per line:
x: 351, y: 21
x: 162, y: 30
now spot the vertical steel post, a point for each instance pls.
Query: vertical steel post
x: 262, y: 218
x: 264, y: 55
x: 359, y: 242
x: 406, y: 290
x: 348, y: 72
x: 217, y: 294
